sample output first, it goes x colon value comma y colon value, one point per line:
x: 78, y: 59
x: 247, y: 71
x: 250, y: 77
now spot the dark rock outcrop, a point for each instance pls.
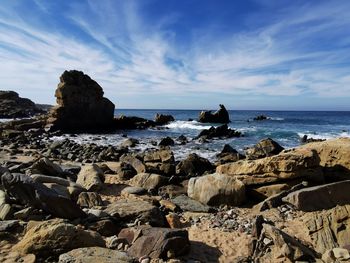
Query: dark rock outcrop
x: 162, y: 119
x: 222, y: 131
x: 81, y: 105
x: 193, y: 165
x: 13, y: 106
x: 264, y: 148
x: 220, y: 116
x: 260, y: 118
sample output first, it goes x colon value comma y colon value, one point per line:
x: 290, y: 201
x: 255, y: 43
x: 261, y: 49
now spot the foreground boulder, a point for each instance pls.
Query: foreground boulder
x: 95, y: 254
x: 193, y: 165
x: 216, y: 189
x: 320, y: 197
x: 220, y: 116
x: 91, y: 177
x: 148, y: 181
x: 46, y: 167
x: 156, y: 242
x: 13, y: 106
x: 54, y: 237
x: 298, y: 164
x: 81, y: 105
x: 264, y: 148
x: 28, y: 192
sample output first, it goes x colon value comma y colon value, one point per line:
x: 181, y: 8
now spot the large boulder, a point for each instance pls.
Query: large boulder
x: 155, y: 242
x: 91, y: 177
x: 298, y: 164
x: 81, y: 105
x: 320, y: 197
x: 264, y: 148
x: 94, y: 254
x: 54, y: 237
x: 222, y: 131
x: 220, y: 116
x: 193, y: 165
x: 148, y: 181
x: 46, y: 167
x: 162, y: 119
x: 13, y: 106
x: 28, y: 192
x: 216, y: 189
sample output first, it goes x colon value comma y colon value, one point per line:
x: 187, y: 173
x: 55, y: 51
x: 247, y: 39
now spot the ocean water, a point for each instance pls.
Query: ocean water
x: 285, y: 127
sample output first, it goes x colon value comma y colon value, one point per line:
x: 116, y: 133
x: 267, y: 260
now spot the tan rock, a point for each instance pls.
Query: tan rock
x: 90, y: 177
x: 148, y: 181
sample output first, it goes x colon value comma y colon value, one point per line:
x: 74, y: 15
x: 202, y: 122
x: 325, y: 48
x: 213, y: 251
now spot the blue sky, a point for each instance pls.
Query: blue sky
x: 182, y: 54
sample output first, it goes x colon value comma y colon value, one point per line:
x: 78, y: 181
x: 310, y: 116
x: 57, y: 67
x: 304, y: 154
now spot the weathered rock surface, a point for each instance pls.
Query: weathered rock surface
x: 320, y: 197
x: 54, y: 237
x: 28, y: 192
x: 91, y: 177
x: 81, y: 105
x: 136, y: 163
x: 89, y: 199
x: 95, y: 254
x: 130, y: 210
x: 188, y: 204
x: 264, y: 148
x: 220, y: 116
x: 13, y: 106
x: 148, y: 181
x: 46, y: 167
x: 156, y: 242
x: 193, y: 165
x: 167, y: 141
x: 216, y: 189
x: 300, y: 163
x: 162, y: 119
x: 329, y: 229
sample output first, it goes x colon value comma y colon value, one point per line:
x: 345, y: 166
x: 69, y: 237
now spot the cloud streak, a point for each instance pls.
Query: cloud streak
x: 130, y: 57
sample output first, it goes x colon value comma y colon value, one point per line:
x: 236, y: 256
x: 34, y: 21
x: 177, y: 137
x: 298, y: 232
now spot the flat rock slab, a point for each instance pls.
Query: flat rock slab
x: 188, y: 204
x: 95, y: 254
x: 320, y: 197
x: 130, y: 210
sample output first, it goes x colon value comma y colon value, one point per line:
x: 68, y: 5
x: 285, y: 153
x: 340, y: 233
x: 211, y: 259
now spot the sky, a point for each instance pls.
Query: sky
x: 182, y: 54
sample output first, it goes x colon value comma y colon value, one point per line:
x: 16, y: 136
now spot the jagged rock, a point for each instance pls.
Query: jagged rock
x: 155, y: 242
x: 6, y: 211
x: 220, y: 116
x: 89, y: 199
x: 320, y: 197
x: 81, y: 105
x: 216, y: 189
x: 328, y: 229
x: 148, y: 181
x: 264, y: 148
x: 27, y: 192
x: 171, y: 191
x: 91, y: 177
x: 54, y: 237
x: 125, y: 171
x: 134, y: 162
x: 275, y: 245
x: 188, y: 204
x: 167, y: 141
x: 300, y: 163
x: 46, y: 167
x: 130, y: 210
x: 260, y: 118
x: 228, y: 155
x: 124, y: 122
x: 160, y: 162
x: 193, y: 165
x: 95, y: 254
x: 13, y: 106
x: 162, y: 119
x: 222, y: 131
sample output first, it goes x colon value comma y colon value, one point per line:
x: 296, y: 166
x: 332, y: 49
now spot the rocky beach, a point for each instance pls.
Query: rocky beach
x: 68, y: 200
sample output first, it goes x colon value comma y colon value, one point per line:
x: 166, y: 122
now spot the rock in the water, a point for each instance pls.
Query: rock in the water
x: 167, y: 141
x: 320, y: 197
x: 81, y: 105
x: 95, y: 254
x: 54, y: 237
x: 188, y: 204
x: 89, y: 199
x: 264, y: 148
x: 28, y: 192
x: 156, y: 242
x: 222, y: 131
x: 162, y: 119
x: 216, y: 189
x: 300, y: 163
x: 193, y: 165
x: 46, y: 167
x: 13, y: 106
x: 260, y: 118
x: 91, y: 177
x: 130, y: 210
x: 220, y: 116
x: 148, y: 181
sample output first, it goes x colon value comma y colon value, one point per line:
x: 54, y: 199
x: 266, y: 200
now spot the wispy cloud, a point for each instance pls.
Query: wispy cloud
x: 303, y: 51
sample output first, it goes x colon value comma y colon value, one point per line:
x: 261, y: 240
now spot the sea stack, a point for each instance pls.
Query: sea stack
x: 220, y: 116
x: 81, y: 105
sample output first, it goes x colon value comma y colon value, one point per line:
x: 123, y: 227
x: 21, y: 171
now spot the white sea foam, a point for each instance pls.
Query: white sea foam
x: 276, y: 118
x: 6, y: 120
x: 193, y: 125
x: 325, y: 136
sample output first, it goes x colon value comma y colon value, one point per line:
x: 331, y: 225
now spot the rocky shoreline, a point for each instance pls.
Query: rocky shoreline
x: 61, y: 201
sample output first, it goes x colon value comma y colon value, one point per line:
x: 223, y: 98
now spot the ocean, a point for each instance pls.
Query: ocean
x: 285, y: 127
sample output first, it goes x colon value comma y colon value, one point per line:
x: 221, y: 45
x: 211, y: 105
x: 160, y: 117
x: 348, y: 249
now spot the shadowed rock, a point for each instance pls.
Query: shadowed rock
x: 220, y: 116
